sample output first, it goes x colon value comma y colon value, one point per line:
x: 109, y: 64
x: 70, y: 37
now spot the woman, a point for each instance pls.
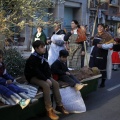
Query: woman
x: 57, y: 44
x: 100, y: 54
x: 40, y: 35
x: 76, y: 47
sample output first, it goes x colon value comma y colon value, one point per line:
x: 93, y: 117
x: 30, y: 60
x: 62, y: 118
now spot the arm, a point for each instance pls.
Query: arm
x: 38, y: 73
x: 56, y: 70
x: 2, y: 81
x: 107, y: 46
x: 66, y: 37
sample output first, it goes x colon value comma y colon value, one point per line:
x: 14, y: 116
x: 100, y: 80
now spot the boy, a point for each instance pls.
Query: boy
x: 12, y: 94
x: 60, y: 69
x: 37, y: 71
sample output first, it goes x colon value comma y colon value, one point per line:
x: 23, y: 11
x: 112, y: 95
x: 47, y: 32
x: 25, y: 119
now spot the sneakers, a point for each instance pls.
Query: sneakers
x: 79, y: 86
x: 24, y: 103
x: 61, y: 109
x: 52, y: 115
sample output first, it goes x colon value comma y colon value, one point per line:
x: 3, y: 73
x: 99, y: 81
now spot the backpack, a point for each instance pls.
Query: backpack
x: 81, y: 34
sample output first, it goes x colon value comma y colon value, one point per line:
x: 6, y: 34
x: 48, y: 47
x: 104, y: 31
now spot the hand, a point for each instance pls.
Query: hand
x: 49, y: 82
x: 83, y: 53
x: 67, y: 73
x: 99, y: 45
x: 48, y: 41
x: 8, y: 81
x: 72, y: 31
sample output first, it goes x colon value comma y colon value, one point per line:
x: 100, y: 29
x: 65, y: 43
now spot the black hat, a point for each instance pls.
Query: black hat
x: 63, y: 53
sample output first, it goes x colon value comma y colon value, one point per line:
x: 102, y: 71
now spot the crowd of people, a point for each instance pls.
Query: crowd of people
x: 67, y: 51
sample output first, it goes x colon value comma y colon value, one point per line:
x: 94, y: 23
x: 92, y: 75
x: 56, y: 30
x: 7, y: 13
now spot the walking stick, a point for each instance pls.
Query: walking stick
x: 86, y: 56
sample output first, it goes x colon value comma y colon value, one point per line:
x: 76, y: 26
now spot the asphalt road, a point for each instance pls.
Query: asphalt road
x: 103, y: 104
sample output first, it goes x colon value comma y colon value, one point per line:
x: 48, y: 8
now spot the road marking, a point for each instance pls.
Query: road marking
x: 112, y: 88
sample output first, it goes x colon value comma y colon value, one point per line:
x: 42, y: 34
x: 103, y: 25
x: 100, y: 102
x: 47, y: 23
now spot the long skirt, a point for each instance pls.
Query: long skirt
x: 74, y: 59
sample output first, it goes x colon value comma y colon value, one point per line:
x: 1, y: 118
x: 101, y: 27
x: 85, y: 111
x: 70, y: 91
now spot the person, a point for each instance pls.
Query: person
x: 109, y: 30
x: 118, y: 31
x: 57, y: 43
x: 100, y: 55
x: 116, y: 54
x: 76, y: 48
x: 37, y: 71
x: 59, y: 68
x: 40, y: 35
x: 12, y: 94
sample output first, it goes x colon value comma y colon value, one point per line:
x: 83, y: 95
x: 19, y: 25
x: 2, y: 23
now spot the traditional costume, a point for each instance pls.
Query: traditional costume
x: 116, y: 54
x: 76, y: 48
x: 101, y: 57
x: 56, y: 45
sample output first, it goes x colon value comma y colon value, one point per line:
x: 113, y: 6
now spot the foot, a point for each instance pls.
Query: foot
x: 52, y: 115
x: 24, y: 103
x: 61, y: 109
x: 115, y: 69
x: 102, y: 85
x: 79, y: 86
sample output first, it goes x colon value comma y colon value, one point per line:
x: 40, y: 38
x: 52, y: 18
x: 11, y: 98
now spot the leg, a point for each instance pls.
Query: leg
x: 82, y: 60
x: 104, y: 74
x: 67, y: 79
x: 46, y: 91
x: 57, y: 96
x: 74, y: 78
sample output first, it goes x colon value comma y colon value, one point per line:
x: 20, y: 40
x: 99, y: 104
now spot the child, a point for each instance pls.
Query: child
x: 116, y: 54
x: 37, y: 71
x: 11, y: 93
x: 60, y: 69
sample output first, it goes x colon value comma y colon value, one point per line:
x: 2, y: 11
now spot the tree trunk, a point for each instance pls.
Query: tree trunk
x: 28, y: 36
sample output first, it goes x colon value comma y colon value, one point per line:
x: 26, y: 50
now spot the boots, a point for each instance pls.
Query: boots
x: 79, y: 86
x: 102, y: 85
x: 61, y: 109
x: 52, y: 115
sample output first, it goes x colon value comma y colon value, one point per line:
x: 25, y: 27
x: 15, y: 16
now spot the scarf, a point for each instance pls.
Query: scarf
x: 42, y: 58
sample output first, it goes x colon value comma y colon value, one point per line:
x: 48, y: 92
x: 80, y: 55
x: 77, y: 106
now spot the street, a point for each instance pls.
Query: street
x: 103, y: 104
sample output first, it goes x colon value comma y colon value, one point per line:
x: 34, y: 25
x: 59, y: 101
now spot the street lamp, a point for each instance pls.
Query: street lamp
x: 100, y: 2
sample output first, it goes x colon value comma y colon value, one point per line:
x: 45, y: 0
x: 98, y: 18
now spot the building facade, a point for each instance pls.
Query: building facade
x: 108, y: 13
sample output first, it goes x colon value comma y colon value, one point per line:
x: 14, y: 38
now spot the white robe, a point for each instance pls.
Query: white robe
x: 109, y: 60
x: 53, y: 52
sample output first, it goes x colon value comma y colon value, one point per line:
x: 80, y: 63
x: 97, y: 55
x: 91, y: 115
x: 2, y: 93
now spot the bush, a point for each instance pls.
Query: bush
x: 14, y: 62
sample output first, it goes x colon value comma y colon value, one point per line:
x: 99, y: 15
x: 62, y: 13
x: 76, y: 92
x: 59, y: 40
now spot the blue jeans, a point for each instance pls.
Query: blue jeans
x: 70, y: 79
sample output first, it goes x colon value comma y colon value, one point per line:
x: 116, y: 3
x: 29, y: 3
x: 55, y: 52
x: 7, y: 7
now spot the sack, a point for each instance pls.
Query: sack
x: 72, y: 100
x: 81, y: 35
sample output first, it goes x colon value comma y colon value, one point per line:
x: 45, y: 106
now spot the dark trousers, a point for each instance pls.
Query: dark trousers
x: 70, y: 79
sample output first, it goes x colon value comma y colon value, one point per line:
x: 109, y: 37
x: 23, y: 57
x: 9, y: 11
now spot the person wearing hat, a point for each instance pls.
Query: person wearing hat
x: 116, y: 54
x: 59, y: 68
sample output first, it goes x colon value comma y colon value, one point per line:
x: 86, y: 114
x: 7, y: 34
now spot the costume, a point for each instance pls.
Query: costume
x: 56, y: 45
x: 101, y: 57
x: 116, y: 56
x: 40, y: 36
x: 74, y: 59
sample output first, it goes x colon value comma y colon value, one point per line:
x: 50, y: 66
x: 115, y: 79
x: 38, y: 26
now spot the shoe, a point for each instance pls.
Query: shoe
x: 51, y: 114
x: 102, y: 86
x: 24, y: 103
x: 61, y: 109
x: 79, y: 86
